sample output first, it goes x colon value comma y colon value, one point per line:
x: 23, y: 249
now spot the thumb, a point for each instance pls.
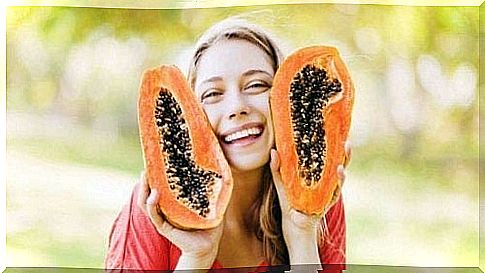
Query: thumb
x: 277, y: 180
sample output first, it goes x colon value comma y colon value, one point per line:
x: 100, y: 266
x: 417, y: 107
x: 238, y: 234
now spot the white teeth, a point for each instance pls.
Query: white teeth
x: 242, y: 134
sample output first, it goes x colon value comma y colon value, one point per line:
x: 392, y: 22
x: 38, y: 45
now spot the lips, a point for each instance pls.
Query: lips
x: 242, y: 133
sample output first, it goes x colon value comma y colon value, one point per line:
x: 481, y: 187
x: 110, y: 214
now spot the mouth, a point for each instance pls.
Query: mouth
x: 244, y: 135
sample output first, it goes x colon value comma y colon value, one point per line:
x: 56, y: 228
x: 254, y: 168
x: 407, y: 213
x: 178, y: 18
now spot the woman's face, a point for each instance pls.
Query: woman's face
x: 234, y: 79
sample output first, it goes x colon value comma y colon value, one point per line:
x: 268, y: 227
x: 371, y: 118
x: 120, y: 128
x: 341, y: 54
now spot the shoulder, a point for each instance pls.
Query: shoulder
x: 134, y: 243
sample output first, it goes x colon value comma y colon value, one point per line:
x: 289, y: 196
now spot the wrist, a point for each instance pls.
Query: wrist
x: 301, y: 238
x: 193, y: 261
x: 303, y: 250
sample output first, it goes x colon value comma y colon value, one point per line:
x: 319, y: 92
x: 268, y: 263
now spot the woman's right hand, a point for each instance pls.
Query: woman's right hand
x: 199, y: 248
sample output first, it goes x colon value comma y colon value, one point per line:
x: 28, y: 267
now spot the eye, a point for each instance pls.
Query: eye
x: 257, y: 86
x: 211, y: 96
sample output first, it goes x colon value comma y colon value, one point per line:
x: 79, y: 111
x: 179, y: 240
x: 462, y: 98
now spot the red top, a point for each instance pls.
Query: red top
x: 134, y: 243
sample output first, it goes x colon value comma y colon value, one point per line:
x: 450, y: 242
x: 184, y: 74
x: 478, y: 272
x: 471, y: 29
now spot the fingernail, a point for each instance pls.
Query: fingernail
x: 152, y: 198
x: 271, y: 159
x: 347, y: 145
x: 341, y: 169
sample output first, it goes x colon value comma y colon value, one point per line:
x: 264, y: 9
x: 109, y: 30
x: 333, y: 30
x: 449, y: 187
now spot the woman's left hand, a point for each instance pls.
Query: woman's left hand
x: 300, y: 230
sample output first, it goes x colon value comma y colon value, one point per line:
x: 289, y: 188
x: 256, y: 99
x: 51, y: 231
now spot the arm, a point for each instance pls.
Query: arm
x: 300, y: 230
x: 332, y: 247
x: 134, y: 243
x: 198, y: 248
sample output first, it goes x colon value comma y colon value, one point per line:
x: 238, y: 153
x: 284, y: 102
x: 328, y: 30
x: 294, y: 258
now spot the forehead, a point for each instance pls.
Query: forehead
x: 231, y: 58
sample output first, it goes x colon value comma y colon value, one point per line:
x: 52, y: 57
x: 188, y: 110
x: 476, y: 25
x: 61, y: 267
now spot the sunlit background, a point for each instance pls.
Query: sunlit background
x: 73, y: 152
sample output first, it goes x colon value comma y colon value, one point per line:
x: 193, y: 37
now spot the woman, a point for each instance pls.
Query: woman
x: 231, y: 74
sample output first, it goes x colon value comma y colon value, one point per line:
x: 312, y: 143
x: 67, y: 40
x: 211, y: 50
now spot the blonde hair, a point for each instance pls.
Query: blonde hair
x: 234, y: 28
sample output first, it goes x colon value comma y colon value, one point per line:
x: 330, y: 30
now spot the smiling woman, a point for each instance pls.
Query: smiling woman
x: 235, y: 99
x: 231, y: 74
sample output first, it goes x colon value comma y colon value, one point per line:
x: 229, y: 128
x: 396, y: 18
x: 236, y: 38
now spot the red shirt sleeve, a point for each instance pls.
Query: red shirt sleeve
x: 332, y: 247
x: 134, y: 243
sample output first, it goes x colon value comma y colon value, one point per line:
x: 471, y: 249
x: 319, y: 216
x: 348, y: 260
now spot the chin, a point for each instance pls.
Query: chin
x: 248, y: 162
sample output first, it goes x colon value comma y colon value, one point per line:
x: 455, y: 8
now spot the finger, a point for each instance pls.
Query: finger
x: 275, y: 172
x: 338, y: 189
x: 143, y: 192
x: 335, y: 197
x: 152, y: 210
x: 341, y: 175
x: 348, y: 152
x: 275, y: 161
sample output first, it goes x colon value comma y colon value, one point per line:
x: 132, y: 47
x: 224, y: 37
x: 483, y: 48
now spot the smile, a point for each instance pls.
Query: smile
x: 243, y: 134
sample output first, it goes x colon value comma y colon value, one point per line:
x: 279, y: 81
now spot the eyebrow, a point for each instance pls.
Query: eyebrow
x: 245, y: 74
x: 256, y: 71
x: 212, y: 79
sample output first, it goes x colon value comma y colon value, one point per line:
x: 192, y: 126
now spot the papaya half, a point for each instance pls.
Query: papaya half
x: 182, y: 156
x: 311, y: 104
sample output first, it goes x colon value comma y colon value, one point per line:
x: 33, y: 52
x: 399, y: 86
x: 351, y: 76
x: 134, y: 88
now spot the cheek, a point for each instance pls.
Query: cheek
x: 263, y: 107
x: 212, y: 114
x: 261, y: 103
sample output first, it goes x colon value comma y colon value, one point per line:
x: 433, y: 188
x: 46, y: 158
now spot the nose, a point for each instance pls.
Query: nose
x: 238, y: 105
x: 240, y: 112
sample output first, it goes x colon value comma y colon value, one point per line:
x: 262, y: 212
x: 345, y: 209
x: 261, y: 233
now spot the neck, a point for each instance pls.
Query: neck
x: 239, y: 245
x: 245, y: 192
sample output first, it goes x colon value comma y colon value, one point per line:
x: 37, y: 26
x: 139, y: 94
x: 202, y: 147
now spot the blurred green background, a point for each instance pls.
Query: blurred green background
x: 73, y: 152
